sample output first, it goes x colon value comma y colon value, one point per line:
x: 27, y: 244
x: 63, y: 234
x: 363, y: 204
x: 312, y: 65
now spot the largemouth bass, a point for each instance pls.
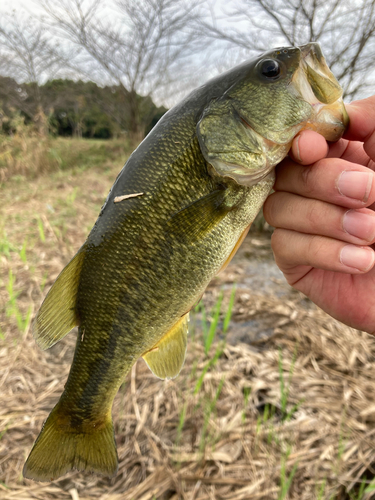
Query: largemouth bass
x: 173, y: 219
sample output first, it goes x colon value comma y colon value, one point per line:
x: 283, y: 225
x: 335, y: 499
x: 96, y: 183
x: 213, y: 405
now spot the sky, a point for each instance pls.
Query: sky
x: 162, y: 97
x: 167, y: 98
x: 9, y: 5
x: 207, y: 63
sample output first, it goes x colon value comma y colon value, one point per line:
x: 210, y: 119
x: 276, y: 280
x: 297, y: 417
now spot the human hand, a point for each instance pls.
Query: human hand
x: 324, y: 219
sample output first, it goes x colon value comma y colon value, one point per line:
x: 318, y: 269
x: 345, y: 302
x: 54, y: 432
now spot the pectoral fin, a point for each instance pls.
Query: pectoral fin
x: 167, y: 357
x: 198, y: 218
x: 57, y: 315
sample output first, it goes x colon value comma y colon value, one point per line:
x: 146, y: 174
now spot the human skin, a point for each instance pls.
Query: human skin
x: 323, y: 213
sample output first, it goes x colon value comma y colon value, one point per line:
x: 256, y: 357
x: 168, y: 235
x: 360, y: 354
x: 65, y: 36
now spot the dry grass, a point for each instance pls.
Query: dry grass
x: 30, y: 154
x: 239, y: 436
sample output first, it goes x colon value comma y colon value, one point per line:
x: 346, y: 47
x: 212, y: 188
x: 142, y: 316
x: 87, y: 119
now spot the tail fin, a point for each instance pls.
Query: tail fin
x: 60, y: 448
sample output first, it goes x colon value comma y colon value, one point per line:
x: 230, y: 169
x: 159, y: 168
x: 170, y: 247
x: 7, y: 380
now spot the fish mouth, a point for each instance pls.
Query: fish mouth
x: 323, y: 83
x: 317, y: 85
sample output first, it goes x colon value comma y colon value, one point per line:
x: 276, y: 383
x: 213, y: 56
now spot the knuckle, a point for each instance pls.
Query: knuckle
x: 307, y: 179
x: 315, y: 216
x: 315, y: 249
x: 277, y: 241
x: 269, y: 210
x: 283, y: 247
x: 310, y: 176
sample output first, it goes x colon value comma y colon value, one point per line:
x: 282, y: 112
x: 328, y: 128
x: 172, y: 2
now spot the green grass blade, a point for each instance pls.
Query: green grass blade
x: 204, y: 322
x: 322, y: 488
x: 41, y: 230
x: 43, y: 281
x: 208, y: 365
x: 213, y: 326
x: 283, y: 392
x: 210, y: 408
x: 23, y: 252
x: 228, y: 314
x: 370, y: 487
x: 285, y: 482
x: 181, y: 423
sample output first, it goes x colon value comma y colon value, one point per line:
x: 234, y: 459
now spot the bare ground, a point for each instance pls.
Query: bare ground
x: 286, y: 411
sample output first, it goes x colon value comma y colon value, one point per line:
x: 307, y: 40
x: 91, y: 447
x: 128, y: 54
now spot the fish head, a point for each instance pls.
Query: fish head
x: 249, y: 129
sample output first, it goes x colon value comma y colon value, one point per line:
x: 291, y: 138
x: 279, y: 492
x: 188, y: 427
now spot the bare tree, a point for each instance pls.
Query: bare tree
x: 346, y: 31
x: 138, y: 51
x: 27, y: 52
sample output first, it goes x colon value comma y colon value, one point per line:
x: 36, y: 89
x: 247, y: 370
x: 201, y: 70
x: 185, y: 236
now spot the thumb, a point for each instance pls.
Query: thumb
x: 308, y: 147
x: 362, y: 123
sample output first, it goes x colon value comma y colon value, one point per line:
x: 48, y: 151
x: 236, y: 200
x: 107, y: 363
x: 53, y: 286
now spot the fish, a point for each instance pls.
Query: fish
x: 175, y: 216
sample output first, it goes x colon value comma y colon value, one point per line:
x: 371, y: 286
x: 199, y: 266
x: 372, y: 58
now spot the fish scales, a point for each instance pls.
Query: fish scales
x: 145, y: 284
x: 196, y: 183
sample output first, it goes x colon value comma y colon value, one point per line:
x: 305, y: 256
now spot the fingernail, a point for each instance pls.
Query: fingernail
x: 360, y: 258
x: 355, y: 185
x: 359, y: 225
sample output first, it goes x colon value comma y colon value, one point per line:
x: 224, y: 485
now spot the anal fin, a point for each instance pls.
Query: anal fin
x: 167, y: 357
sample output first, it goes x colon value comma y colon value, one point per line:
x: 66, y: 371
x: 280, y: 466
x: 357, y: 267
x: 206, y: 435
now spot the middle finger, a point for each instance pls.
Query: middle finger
x: 293, y: 212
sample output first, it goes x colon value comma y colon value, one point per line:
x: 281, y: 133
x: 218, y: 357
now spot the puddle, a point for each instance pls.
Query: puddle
x: 260, y: 287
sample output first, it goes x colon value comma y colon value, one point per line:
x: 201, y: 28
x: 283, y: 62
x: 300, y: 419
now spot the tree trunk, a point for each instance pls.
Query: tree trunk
x: 136, y: 129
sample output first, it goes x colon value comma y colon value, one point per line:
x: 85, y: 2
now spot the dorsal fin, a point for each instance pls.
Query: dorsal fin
x: 57, y: 315
x: 167, y: 357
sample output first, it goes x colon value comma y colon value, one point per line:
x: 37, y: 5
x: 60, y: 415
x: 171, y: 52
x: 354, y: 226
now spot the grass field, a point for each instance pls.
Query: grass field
x: 288, y: 413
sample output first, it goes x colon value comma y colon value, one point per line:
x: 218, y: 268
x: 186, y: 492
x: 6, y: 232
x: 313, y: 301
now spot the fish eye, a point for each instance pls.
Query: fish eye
x: 270, y: 68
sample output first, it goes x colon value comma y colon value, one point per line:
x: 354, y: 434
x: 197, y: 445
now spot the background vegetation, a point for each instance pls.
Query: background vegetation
x: 276, y: 399
x: 71, y: 108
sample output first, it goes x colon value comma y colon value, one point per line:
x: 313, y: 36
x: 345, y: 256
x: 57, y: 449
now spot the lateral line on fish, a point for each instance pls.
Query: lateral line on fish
x: 126, y: 196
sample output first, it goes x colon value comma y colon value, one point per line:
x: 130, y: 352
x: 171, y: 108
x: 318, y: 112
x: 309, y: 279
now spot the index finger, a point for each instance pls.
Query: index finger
x: 332, y: 180
x: 352, y: 151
